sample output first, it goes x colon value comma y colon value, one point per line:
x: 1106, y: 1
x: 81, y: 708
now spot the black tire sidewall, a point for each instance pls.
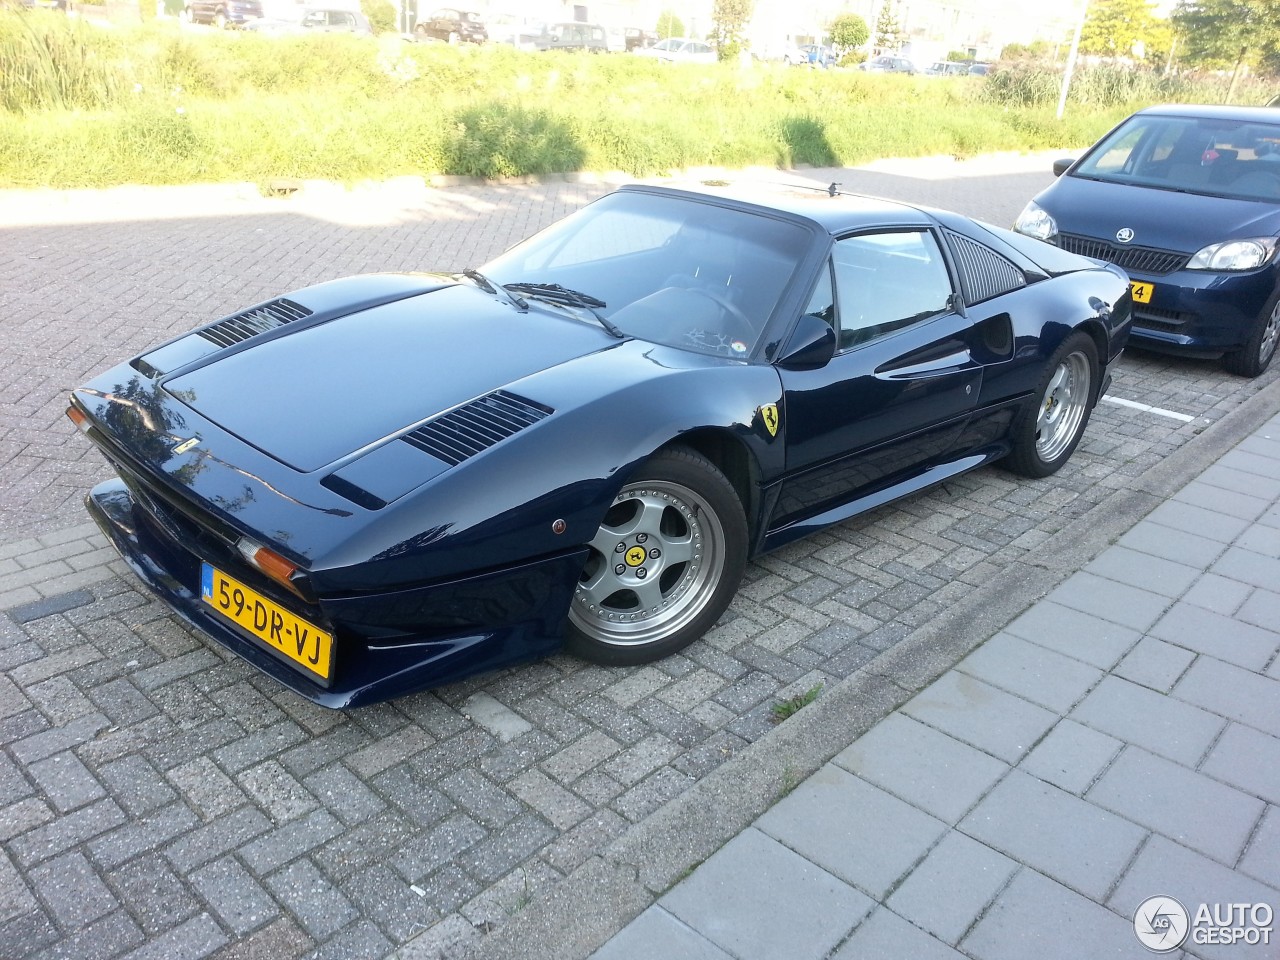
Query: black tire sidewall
x: 1024, y: 458
x: 690, y: 469
x: 1244, y: 362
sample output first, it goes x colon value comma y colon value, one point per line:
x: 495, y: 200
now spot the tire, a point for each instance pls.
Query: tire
x: 1046, y: 433
x: 220, y: 20
x: 1255, y: 356
x: 674, y: 541
x: 453, y: 38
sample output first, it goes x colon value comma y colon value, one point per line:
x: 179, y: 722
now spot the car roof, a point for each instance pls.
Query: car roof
x: 835, y: 215
x: 1213, y: 111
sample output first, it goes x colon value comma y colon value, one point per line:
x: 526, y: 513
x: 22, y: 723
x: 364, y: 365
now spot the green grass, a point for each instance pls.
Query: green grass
x: 792, y: 705
x: 81, y: 105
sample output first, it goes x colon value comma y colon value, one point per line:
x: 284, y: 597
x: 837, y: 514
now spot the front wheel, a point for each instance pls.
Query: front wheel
x: 663, y: 566
x: 1255, y: 356
x: 1045, y: 435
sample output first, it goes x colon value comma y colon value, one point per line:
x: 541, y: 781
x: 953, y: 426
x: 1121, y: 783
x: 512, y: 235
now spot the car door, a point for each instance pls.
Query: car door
x: 902, y: 384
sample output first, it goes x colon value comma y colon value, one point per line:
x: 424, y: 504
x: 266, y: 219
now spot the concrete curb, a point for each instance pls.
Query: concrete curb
x: 608, y: 891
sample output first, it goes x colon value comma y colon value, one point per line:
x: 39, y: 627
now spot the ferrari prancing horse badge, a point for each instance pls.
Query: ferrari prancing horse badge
x: 769, y: 416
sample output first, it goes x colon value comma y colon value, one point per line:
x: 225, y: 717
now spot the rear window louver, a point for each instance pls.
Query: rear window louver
x: 476, y: 426
x: 250, y: 323
x: 983, y: 272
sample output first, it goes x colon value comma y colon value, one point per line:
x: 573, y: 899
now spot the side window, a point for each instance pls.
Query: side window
x: 822, y: 302
x: 886, y: 282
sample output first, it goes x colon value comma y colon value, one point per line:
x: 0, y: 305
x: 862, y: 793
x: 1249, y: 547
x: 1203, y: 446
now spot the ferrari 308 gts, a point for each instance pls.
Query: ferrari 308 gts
x: 389, y: 482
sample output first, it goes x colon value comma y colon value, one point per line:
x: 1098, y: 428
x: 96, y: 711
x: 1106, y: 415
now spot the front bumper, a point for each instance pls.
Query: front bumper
x: 1199, y: 312
x: 386, y: 644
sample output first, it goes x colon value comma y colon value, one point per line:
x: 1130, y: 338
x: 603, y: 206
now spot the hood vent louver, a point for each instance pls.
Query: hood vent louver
x: 250, y: 323
x: 476, y: 426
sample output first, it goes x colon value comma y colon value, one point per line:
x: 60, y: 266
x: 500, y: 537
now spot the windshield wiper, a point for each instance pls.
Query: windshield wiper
x: 492, y: 286
x: 555, y: 293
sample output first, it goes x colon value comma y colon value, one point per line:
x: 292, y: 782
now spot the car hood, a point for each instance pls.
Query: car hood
x: 328, y: 390
x: 1164, y: 219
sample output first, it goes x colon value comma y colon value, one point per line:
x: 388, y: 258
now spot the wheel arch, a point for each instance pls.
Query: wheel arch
x: 1096, y: 332
x: 732, y: 457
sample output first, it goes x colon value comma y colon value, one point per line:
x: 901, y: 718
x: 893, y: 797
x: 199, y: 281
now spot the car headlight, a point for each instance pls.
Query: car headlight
x: 1034, y: 222
x: 1234, y: 255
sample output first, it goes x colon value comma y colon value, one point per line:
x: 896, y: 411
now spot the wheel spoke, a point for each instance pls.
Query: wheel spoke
x: 649, y: 592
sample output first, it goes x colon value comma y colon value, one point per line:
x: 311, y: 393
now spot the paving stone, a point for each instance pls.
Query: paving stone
x: 1217, y: 594
x: 234, y: 895
x: 1165, y: 868
x: 886, y: 936
x: 1033, y: 672
x: 66, y: 781
x: 1189, y: 518
x: 154, y: 895
x: 276, y: 792
x: 505, y: 724
x: 381, y: 895
x: 952, y: 887
x: 216, y: 838
x: 1162, y: 724
x: 656, y: 933
x: 1185, y: 806
x: 1246, y: 759
x: 1262, y: 858
x: 1170, y: 544
x: 1036, y: 917
x: 72, y: 891
x: 1219, y: 636
x: 141, y: 835
x: 1154, y: 664
x: 67, y: 831
x: 198, y: 937
x: 1071, y: 757
x: 1169, y: 578
x: 978, y: 713
x: 109, y: 937
x: 317, y: 904
x: 344, y: 794
x: 1054, y: 832
x: 945, y: 778
x: 755, y: 898
x: 1080, y: 635
x: 281, y: 940
x: 289, y: 841
x: 852, y: 829
x: 1116, y: 602
x: 1232, y: 692
x: 1219, y: 500
x: 360, y: 939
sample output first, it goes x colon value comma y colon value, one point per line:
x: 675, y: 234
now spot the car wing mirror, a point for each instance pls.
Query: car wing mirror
x: 812, y: 345
x: 1060, y: 166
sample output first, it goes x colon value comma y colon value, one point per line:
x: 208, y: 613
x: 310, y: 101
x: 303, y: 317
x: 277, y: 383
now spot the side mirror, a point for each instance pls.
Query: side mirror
x: 811, y: 346
x: 1060, y: 166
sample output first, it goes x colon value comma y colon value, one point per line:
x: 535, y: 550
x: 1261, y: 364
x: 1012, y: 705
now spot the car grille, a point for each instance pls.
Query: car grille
x: 250, y: 323
x: 1142, y: 259
x: 476, y: 426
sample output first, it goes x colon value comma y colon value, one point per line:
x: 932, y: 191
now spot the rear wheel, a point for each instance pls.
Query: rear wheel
x: 1255, y: 356
x: 665, y: 563
x: 453, y: 37
x: 220, y: 19
x: 1045, y: 435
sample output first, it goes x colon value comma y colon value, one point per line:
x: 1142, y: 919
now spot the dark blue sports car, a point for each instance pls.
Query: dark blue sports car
x: 1187, y: 200
x: 389, y: 482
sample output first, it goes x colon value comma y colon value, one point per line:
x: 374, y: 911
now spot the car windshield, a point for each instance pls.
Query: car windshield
x: 1219, y: 158
x: 669, y: 270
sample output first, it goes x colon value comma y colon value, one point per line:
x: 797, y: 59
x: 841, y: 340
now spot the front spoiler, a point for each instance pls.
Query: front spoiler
x: 367, y: 668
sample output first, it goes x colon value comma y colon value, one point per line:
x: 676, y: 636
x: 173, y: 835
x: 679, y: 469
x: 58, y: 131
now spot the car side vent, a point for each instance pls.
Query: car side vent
x: 476, y: 426
x: 983, y: 272
x: 250, y: 323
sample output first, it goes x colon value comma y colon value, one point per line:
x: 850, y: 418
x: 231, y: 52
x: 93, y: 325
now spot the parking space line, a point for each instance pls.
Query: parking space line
x: 1147, y: 408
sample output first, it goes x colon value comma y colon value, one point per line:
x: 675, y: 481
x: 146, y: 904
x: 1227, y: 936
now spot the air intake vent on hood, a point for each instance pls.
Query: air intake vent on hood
x: 476, y: 426
x: 253, y: 322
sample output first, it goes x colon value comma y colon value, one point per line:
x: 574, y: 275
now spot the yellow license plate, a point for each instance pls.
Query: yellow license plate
x: 1142, y: 291
x: 302, y: 642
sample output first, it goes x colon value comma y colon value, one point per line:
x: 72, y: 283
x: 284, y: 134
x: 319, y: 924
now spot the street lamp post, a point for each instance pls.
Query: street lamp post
x: 1071, y: 60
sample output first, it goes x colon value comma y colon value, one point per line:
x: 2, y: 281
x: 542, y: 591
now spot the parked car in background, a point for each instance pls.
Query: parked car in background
x: 979, y: 69
x: 1187, y: 200
x: 453, y: 26
x: 224, y: 13
x: 519, y: 32
x: 316, y: 20
x: 818, y: 55
x: 636, y: 38
x: 886, y: 63
x: 946, y: 68
x: 574, y: 36
x: 378, y: 484
x: 679, y: 50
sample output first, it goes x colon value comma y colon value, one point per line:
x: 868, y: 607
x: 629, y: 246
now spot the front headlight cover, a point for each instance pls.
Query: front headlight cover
x: 1035, y: 222
x: 1234, y: 255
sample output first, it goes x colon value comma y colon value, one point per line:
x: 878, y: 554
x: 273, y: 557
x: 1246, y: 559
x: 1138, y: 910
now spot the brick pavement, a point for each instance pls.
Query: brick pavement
x: 159, y: 798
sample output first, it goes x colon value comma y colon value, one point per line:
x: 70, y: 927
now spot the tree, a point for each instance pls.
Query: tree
x: 729, y: 19
x: 1227, y: 33
x: 1113, y: 28
x: 849, y: 31
x: 888, y: 27
x: 669, y: 25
